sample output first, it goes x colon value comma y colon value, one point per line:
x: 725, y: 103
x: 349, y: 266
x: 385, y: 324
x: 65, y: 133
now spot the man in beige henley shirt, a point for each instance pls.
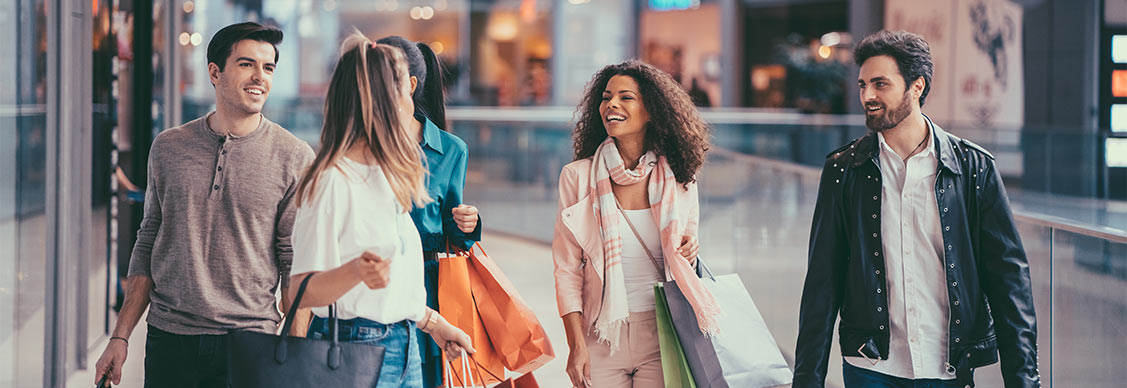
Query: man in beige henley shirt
x: 214, y: 244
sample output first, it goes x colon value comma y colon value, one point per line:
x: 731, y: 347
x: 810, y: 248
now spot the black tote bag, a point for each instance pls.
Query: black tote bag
x: 260, y: 360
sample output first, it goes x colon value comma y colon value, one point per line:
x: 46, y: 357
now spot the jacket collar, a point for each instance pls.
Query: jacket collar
x: 945, y: 148
x: 868, y: 148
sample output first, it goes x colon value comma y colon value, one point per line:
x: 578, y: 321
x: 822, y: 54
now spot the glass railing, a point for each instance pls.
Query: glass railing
x: 757, y: 198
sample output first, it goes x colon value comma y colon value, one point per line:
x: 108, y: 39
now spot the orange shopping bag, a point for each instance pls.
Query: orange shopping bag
x: 517, y: 335
x: 456, y: 304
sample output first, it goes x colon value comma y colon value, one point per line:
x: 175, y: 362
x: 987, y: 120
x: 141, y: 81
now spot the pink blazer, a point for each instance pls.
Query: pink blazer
x: 577, y: 244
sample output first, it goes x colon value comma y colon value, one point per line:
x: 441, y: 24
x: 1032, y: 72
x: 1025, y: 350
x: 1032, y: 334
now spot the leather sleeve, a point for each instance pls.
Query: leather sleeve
x: 821, y: 294
x: 1004, y: 271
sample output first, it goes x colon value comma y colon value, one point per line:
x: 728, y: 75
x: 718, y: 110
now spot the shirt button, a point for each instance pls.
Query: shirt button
x: 913, y: 340
x: 216, y: 187
x: 224, y: 152
x: 220, y: 168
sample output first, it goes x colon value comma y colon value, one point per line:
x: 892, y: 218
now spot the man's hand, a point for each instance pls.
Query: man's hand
x: 112, y: 361
x: 466, y: 218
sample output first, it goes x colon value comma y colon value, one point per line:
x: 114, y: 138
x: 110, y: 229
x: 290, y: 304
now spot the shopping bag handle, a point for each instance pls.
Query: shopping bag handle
x: 465, y: 371
x: 703, y: 269
x: 280, y: 349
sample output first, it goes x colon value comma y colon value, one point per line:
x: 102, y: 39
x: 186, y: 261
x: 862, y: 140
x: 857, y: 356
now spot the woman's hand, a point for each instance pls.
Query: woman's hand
x: 466, y: 218
x: 579, y: 366
x: 689, y: 249
x: 452, y: 339
x: 372, y: 269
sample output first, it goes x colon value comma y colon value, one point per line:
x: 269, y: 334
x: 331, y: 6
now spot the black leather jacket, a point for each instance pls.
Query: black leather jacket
x: 988, y: 286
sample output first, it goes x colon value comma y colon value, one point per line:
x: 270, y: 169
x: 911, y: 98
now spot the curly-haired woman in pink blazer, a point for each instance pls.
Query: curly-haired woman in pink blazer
x: 628, y: 216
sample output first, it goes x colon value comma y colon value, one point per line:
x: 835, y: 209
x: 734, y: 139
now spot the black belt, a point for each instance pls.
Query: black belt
x: 430, y: 255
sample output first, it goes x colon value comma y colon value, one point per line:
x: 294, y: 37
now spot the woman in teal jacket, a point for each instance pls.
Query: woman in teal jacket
x: 446, y: 222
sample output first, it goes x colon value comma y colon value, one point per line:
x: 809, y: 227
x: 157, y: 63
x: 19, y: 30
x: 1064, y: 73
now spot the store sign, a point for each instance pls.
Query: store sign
x: 669, y: 5
x: 978, y: 78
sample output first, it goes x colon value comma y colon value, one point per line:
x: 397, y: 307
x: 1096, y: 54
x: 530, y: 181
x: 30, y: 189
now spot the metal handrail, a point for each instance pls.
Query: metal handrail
x: 564, y: 115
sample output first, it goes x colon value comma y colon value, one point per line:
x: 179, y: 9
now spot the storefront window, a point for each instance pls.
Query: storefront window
x: 23, y: 178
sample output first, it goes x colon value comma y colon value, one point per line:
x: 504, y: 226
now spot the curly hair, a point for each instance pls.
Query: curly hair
x: 675, y: 129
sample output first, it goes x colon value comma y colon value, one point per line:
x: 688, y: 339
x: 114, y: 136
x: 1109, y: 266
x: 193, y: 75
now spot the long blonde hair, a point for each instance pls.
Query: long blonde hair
x: 361, y: 108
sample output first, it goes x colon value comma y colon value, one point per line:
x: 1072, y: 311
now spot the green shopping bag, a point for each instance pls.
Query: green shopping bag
x: 674, y: 367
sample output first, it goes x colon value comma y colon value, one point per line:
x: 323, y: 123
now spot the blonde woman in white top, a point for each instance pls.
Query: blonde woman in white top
x: 352, y: 232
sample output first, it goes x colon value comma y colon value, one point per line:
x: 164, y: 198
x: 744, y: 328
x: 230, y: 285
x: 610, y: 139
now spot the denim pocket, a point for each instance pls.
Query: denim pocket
x: 371, y: 334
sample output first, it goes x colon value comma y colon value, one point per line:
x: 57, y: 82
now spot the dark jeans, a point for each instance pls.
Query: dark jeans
x: 863, y: 378
x: 185, y: 361
x: 430, y: 352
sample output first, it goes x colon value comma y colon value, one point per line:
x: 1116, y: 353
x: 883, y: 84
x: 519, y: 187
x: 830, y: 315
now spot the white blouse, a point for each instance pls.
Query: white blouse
x: 353, y: 209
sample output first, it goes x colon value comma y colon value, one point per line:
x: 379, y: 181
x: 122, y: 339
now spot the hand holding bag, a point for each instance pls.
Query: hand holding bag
x: 260, y: 360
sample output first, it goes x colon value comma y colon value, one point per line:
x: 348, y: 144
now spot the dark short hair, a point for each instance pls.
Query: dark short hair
x: 221, y: 43
x: 910, y: 51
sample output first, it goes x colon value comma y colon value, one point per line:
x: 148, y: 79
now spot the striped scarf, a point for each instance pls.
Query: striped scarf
x: 666, y: 197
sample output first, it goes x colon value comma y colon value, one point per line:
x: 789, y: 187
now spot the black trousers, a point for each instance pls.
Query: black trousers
x: 185, y: 361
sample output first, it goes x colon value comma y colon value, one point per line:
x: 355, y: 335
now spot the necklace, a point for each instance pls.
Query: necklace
x: 918, y: 146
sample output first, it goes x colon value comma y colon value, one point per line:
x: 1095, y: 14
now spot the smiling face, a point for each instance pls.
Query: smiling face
x: 624, y: 116
x: 887, y: 99
x: 244, y: 83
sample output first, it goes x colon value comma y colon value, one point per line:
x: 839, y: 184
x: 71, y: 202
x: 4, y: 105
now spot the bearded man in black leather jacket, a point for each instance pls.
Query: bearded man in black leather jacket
x: 914, y: 244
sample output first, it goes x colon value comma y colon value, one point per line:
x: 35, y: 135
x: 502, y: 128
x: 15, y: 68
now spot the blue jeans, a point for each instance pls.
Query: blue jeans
x: 863, y: 378
x: 401, y: 364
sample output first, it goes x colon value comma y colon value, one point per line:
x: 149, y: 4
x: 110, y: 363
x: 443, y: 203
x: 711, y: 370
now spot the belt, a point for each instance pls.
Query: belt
x: 430, y: 256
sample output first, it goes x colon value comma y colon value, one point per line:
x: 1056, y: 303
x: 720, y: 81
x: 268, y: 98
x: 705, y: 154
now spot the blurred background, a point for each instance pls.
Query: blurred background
x: 1042, y: 84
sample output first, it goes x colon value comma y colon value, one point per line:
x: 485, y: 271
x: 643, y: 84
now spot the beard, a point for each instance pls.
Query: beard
x: 890, y: 118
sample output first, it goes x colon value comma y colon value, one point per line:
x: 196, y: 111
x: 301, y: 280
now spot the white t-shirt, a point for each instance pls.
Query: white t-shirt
x: 353, y: 209
x: 638, y: 269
